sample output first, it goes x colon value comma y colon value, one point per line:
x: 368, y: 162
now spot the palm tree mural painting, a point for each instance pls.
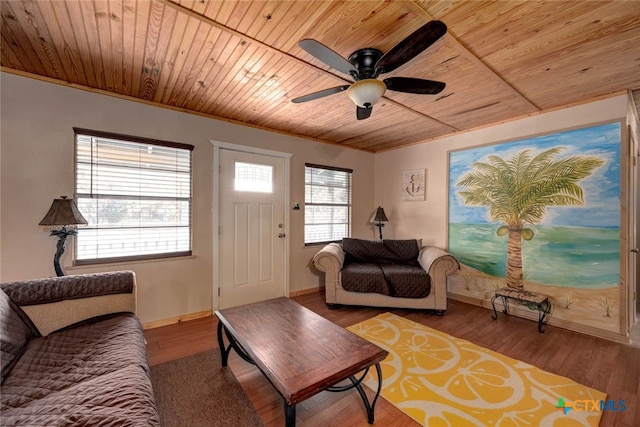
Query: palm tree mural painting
x: 518, y: 190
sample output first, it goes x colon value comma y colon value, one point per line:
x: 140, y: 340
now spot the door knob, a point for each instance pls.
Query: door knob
x: 281, y: 235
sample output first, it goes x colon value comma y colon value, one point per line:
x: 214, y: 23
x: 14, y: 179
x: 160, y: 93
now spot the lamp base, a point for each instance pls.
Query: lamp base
x: 56, y: 258
x: 62, y: 234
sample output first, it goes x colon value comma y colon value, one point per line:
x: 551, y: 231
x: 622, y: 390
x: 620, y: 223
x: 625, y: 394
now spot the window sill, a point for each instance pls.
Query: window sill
x: 100, y: 265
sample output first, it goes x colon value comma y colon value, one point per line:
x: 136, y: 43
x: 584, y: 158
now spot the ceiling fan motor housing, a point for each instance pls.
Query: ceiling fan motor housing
x: 365, y: 60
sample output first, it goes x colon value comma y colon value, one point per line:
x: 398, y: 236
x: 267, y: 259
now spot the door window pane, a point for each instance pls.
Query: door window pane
x: 253, y: 178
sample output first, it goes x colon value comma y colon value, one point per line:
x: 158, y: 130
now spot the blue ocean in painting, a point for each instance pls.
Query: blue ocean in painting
x: 573, y: 246
x: 582, y: 257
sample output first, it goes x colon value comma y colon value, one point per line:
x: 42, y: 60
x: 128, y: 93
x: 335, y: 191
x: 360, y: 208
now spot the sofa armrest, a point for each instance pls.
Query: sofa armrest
x: 330, y: 260
x: 56, y: 302
x: 437, y: 262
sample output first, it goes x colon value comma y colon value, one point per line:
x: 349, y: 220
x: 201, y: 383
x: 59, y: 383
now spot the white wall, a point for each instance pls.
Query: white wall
x: 37, y: 165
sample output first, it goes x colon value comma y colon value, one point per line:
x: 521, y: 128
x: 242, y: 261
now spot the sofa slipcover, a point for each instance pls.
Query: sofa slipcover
x: 435, y: 262
x: 91, y: 370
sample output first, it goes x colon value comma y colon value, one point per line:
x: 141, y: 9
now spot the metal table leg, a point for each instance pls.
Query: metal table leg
x: 357, y: 384
x: 289, y: 415
x: 494, y: 316
x: 543, y: 311
x: 224, y: 351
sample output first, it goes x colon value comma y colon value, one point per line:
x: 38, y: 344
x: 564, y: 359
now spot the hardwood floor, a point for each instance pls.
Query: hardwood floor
x: 607, y: 366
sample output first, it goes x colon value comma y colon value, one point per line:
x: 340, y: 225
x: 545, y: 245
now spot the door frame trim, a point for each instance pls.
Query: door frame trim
x: 215, y: 209
x: 634, y: 202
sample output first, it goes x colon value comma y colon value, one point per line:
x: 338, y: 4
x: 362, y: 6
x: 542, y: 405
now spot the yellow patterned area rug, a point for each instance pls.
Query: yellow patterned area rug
x: 440, y: 380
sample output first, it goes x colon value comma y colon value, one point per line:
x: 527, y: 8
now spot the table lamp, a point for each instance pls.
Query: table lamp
x: 379, y: 218
x: 62, y: 218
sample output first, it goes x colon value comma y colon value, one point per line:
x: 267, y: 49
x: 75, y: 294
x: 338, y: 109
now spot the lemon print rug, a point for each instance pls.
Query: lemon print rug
x: 440, y: 380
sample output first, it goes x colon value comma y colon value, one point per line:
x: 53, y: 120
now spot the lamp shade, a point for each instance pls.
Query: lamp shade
x: 379, y: 216
x: 365, y: 93
x: 63, y: 212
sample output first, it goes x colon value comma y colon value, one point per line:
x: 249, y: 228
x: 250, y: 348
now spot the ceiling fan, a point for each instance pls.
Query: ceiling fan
x: 365, y: 65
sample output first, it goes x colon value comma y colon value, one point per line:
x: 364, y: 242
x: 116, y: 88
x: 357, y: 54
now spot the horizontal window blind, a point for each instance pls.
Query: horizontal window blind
x: 135, y: 194
x: 327, y: 214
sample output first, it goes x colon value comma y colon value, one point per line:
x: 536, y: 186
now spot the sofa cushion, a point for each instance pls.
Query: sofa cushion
x: 407, y: 281
x: 14, y: 334
x: 113, y: 399
x: 381, y: 251
x: 364, y: 277
x: 95, y: 373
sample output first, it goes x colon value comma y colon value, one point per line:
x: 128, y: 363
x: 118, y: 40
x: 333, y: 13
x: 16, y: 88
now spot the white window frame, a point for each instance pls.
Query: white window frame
x: 94, y: 192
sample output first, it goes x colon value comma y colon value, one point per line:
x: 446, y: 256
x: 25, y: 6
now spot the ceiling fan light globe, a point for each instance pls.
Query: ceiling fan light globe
x: 365, y: 93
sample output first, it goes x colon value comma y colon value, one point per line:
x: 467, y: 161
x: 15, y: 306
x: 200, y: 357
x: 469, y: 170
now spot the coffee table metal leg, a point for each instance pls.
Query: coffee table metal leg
x: 289, y: 415
x: 232, y: 344
x: 357, y: 384
x: 224, y: 352
x: 370, y: 407
x: 373, y: 404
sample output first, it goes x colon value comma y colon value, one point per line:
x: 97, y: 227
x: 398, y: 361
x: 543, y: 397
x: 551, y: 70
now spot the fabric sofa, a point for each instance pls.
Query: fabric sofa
x: 73, y: 353
x: 386, y: 273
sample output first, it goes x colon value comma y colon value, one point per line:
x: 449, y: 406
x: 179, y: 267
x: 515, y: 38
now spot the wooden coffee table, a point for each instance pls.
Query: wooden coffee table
x: 300, y: 352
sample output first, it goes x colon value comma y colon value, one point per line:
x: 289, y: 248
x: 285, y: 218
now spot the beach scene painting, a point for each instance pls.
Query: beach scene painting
x: 541, y: 214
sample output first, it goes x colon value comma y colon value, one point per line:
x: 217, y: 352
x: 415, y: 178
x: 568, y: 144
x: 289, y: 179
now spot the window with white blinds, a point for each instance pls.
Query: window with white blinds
x: 136, y: 195
x: 327, y: 211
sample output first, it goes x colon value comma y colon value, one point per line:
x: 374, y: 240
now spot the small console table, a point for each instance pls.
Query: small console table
x: 531, y: 300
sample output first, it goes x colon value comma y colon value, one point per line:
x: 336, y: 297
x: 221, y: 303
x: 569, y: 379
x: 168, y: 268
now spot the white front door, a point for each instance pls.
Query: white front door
x: 252, y: 234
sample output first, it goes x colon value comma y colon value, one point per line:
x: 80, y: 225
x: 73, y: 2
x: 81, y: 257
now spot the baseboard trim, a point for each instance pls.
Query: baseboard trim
x: 206, y: 313
x: 306, y: 291
x: 177, y: 319
x: 530, y: 315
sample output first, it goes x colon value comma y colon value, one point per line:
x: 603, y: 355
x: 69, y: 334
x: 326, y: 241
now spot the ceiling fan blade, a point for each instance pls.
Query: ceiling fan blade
x: 320, y: 94
x: 326, y: 55
x: 411, y: 85
x: 411, y: 46
x: 363, y: 113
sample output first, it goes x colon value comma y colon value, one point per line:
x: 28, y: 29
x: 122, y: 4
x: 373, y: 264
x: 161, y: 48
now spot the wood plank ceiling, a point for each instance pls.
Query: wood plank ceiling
x: 240, y: 60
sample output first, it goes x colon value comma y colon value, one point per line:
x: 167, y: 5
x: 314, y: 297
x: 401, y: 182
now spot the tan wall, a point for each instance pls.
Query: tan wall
x: 37, y: 165
x: 429, y: 219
